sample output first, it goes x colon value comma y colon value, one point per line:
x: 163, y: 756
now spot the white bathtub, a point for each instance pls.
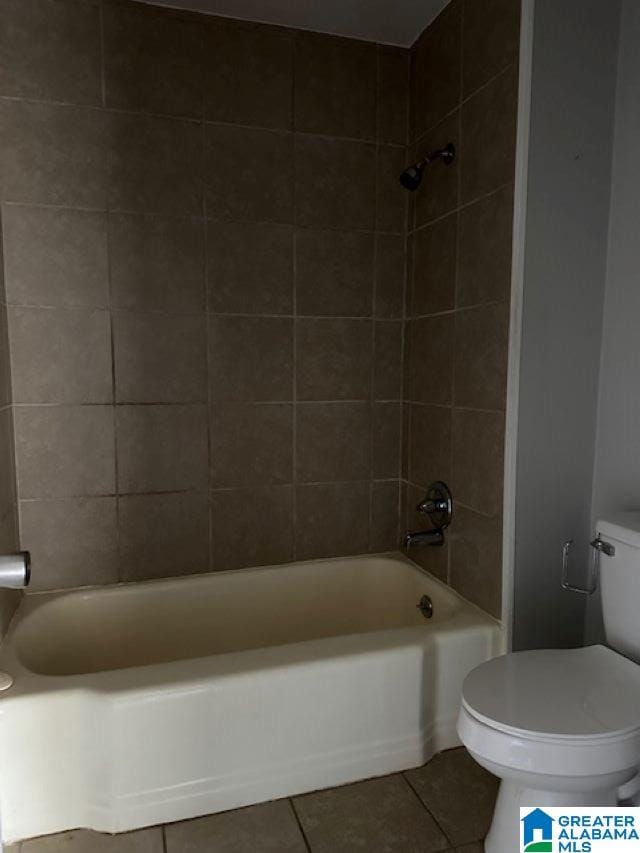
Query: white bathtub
x: 147, y: 703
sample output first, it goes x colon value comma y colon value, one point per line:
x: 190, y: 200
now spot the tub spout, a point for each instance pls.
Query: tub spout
x: 424, y: 537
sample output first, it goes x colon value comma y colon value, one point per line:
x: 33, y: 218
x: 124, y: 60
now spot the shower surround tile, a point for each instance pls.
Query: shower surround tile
x: 156, y: 263
x: 335, y: 86
x: 484, y: 256
x: 251, y: 444
x: 333, y: 359
x: 237, y: 541
x: 159, y: 358
x: 162, y: 448
x: 491, y: 35
x: 435, y: 69
x: 76, y: 538
x: 64, y: 451
x: 250, y: 358
x: 249, y: 173
x: 333, y: 183
x: 463, y: 89
x: 155, y: 164
x: 391, y: 198
x: 153, y: 60
x: 386, y: 440
x: 389, y: 276
x: 487, y: 152
x: 204, y: 243
x: 384, y: 516
x: 478, y: 459
x: 387, y: 358
x: 51, y: 51
x: 433, y: 288
x: 333, y: 442
x: 334, y: 273
x: 53, y: 154
x: 332, y: 519
x: 476, y: 549
x: 393, y: 96
x: 248, y: 74
x: 163, y: 535
x: 60, y: 355
x: 55, y: 257
x: 480, y: 359
x: 250, y: 268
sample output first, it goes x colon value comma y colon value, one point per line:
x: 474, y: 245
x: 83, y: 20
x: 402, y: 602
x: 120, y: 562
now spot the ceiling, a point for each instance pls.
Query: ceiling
x: 397, y: 22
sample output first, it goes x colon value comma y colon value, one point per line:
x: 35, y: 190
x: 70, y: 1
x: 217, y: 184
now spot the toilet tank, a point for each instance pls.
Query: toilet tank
x: 620, y: 583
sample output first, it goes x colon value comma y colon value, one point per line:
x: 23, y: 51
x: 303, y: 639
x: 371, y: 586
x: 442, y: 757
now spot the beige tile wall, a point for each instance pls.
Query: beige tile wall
x: 463, y: 90
x: 205, y: 262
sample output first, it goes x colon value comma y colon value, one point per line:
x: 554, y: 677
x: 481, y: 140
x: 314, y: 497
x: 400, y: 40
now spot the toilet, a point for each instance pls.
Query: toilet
x: 561, y: 727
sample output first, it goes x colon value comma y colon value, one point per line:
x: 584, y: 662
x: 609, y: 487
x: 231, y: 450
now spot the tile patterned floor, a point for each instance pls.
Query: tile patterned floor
x: 444, y: 806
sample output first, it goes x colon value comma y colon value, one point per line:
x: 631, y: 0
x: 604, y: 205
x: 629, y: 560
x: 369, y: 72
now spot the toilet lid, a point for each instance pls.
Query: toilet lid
x: 590, y: 692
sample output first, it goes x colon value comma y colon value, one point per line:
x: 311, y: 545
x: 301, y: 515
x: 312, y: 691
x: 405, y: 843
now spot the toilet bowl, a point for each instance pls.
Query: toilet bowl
x: 558, y: 727
x: 561, y: 727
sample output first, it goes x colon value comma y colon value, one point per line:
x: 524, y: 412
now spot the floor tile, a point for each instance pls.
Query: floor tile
x: 459, y: 793
x: 377, y: 816
x: 266, y: 828
x: 84, y: 841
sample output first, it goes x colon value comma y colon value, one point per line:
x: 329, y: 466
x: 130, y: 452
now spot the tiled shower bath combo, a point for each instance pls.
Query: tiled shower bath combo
x: 229, y: 338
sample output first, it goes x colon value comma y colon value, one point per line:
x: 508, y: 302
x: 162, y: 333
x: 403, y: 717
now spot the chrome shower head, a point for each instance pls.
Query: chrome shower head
x: 412, y: 175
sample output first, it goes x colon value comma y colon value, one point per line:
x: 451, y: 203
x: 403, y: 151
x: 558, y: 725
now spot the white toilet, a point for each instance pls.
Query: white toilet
x: 562, y: 726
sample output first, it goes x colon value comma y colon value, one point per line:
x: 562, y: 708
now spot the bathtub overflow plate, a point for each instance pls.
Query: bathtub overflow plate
x: 6, y: 681
x: 425, y: 606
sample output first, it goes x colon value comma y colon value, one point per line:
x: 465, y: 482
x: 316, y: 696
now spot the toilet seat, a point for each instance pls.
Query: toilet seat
x: 569, y: 713
x: 588, y: 693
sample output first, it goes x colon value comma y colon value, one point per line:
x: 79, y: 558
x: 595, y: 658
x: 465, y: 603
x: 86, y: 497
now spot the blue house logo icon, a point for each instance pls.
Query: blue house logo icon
x: 537, y: 832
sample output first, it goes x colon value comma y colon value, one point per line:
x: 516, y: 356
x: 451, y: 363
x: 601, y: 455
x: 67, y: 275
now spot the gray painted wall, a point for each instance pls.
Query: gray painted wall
x: 570, y: 149
x: 616, y: 485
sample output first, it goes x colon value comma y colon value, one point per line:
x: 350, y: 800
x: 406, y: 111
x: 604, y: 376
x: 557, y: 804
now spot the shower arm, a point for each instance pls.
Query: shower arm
x: 447, y: 154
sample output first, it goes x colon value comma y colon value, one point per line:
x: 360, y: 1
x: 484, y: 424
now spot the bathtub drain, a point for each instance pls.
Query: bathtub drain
x: 425, y: 606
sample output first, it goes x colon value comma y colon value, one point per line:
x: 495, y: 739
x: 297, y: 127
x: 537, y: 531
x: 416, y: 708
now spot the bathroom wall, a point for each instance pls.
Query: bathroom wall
x: 616, y: 484
x: 464, y: 78
x: 8, y: 514
x: 575, y: 46
x: 204, y: 245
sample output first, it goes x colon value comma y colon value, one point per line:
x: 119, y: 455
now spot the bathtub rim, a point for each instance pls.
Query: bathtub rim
x: 191, y: 671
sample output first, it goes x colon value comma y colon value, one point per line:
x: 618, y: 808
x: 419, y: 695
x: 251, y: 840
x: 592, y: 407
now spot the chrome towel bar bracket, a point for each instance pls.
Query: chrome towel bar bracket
x: 599, y: 546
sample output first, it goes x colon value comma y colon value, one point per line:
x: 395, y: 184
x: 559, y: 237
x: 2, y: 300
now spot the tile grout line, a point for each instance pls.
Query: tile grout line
x: 451, y: 459
x: 462, y: 206
x: 114, y: 395
x: 373, y: 296
x: 299, y: 823
x: 463, y: 100
x: 450, y: 844
x: 192, y: 119
x: 192, y: 217
x: 405, y: 352
x: 207, y: 330
x: 294, y: 306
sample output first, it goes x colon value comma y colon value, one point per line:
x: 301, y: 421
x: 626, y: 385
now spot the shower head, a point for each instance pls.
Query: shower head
x: 412, y: 175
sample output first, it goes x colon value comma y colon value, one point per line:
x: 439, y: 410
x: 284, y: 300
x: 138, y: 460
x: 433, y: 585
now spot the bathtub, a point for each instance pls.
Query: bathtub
x: 148, y: 703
